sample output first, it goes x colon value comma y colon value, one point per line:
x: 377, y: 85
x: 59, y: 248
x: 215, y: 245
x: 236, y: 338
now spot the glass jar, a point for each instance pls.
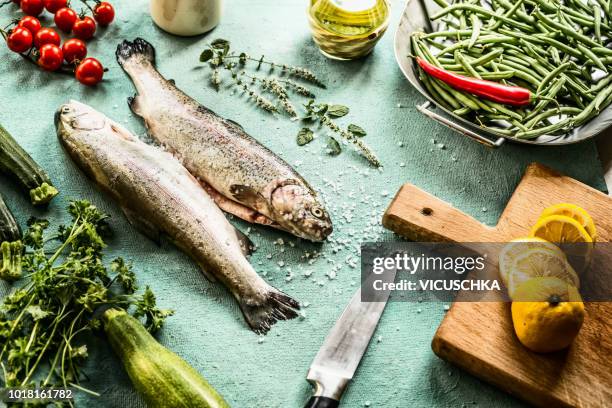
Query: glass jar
x: 348, y: 29
x: 186, y: 17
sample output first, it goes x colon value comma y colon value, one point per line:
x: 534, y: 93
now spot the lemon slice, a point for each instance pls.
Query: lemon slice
x: 539, y: 262
x: 575, y: 212
x: 518, y: 247
x: 570, y: 235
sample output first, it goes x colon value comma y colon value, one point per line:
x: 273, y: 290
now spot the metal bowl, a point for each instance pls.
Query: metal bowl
x: 416, y: 18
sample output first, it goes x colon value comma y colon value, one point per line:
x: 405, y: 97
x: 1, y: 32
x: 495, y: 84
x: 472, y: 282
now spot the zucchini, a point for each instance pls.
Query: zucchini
x: 17, y: 163
x: 11, y: 248
x: 9, y: 229
x: 163, y: 379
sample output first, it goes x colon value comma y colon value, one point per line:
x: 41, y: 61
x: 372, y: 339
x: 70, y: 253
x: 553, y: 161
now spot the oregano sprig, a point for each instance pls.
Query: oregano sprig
x: 279, y: 81
x: 65, y: 284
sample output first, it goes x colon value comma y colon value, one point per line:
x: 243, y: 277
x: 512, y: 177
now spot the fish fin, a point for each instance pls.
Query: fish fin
x: 235, y: 208
x: 238, y: 125
x: 249, y: 196
x: 276, y: 306
x: 143, y: 225
x: 246, y: 245
x: 204, y: 109
x: 207, y: 274
x: 133, y: 103
x: 138, y: 48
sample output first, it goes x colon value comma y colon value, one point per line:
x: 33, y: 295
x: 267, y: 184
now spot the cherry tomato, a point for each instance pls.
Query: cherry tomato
x: 30, y: 23
x: 32, y: 7
x: 50, y: 57
x: 46, y: 36
x: 89, y: 72
x: 104, y: 13
x: 20, y: 40
x: 53, y: 5
x: 74, y: 50
x: 65, y: 19
x: 84, y: 28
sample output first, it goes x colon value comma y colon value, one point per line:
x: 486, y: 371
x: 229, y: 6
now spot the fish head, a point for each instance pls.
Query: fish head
x: 298, y: 209
x: 76, y: 116
x: 85, y: 134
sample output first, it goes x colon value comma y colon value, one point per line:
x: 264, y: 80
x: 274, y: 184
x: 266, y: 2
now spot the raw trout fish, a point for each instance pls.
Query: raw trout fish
x: 158, y: 195
x: 244, y: 177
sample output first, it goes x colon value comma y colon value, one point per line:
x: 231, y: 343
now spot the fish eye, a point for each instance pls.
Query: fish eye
x: 317, y: 212
x: 65, y: 109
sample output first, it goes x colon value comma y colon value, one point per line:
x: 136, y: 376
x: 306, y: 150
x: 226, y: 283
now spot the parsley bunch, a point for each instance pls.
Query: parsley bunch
x: 43, y: 324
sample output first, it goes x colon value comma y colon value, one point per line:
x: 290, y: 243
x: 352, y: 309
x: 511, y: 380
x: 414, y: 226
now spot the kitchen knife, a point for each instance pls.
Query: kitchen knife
x: 338, y: 358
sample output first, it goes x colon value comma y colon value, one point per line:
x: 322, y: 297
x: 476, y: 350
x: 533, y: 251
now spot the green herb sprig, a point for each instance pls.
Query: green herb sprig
x: 65, y: 284
x: 280, y: 88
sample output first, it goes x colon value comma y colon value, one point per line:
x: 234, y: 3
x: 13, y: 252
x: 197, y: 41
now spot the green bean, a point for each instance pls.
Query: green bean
x: 568, y: 31
x: 466, y: 65
x: 577, y: 98
x: 487, y: 57
x: 462, y: 21
x: 461, y: 98
x: 552, y: 92
x: 520, y: 14
x: 449, y: 33
x: 492, y: 76
x: 528, y: 63
x: 484, y: 39
x: 597, y: 12
x: 509, y: 13
x: 563, y: 110
x: 497, y: 116
x: 427, y: 54
x: 601, y: 84
x: 484, y: 12
x: 555, y: 55
x: 462, y: 111
x: 604, y: 7
x: 482, y: 60
x: 521, y: 72
x: 547, y: 46
x: 577, y: 120
x: 562, y: 47
x: 518, y: 125
x: 501, y: 108
x: 552, y: 75
x: 533, y: 133
x: 588, y: 111
x: 432, y: 92
x: 602, y: 51
x: 599, y: 100
x: 477, y: 24
x: 592, y: 57
x: 445, y: 95
x: 520, y: 35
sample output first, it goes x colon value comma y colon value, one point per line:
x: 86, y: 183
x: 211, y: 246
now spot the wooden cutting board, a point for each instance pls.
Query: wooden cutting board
x: 479, y: 337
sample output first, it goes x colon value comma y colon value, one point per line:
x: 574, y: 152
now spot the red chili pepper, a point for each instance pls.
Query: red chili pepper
x: 493, y: 91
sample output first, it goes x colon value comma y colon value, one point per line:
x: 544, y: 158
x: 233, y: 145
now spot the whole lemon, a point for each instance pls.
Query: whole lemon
x: 547, y: 313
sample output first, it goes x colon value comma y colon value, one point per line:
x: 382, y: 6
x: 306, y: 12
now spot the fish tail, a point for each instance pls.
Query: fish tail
x: 277, y: 306
x: 138, y: 50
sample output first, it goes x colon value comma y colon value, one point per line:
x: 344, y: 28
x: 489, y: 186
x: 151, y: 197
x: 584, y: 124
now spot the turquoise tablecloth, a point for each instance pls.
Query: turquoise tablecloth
x: 208, y: 330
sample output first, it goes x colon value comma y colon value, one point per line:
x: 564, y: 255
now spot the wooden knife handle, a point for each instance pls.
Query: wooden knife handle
x: 322, y: 402
x: 419, y: 216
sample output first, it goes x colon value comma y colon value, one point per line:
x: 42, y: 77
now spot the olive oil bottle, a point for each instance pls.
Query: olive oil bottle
x: 348, y: 29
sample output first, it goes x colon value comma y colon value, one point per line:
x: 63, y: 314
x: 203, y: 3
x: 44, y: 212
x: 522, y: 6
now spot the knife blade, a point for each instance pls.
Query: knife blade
x: 339, y: 356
